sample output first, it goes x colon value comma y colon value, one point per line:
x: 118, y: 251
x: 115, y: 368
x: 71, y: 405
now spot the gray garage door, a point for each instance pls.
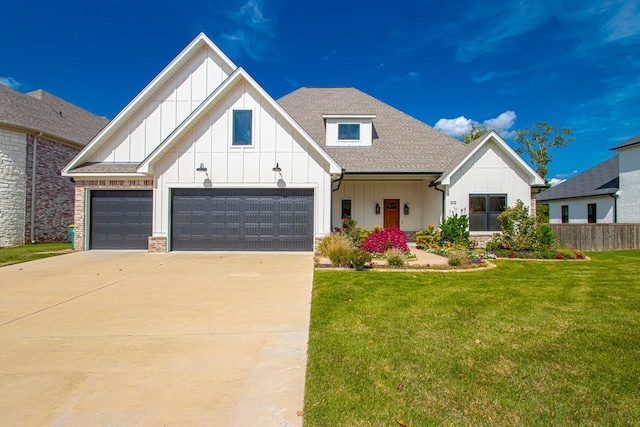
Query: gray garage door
x: 242, y: 220
x: 120, y: 219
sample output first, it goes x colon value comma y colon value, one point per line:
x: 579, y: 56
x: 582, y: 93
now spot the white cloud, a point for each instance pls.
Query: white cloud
x: 252, y: 32
x: 625, y: 23
x: 330, y: 54
x: 503, y: 123
x: 555, y: 181
x: 292, y: 83
x: 455, y: 127
x: 10, y: 82
x: 401, y: 78
x: 462, y: 125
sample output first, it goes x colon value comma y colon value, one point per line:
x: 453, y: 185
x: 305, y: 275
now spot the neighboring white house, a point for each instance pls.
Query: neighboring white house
x: 204, y: 159
x: 609, y: 192
x: 629, y: 200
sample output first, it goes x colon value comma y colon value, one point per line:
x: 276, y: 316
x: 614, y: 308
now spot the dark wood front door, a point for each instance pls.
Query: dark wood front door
x: 391, y: 213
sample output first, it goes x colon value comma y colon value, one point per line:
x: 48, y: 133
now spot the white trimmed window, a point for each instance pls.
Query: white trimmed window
x: 242, y: 125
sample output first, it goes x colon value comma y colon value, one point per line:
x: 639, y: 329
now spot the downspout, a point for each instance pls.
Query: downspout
x: 33, y: 186
x: 435, y: 185
x: 615, y: 206
x: 333, y: 181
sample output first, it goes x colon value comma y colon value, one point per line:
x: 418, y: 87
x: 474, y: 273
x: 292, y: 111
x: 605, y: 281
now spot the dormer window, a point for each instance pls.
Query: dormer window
x: 349, y: 130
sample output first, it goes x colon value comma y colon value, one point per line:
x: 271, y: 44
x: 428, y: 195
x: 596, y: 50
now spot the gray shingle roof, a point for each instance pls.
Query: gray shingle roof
x: 97, y: 167
x: 628, y: 143
x: 401, y: 143
x: 602, y: 179
x: 39, y: 111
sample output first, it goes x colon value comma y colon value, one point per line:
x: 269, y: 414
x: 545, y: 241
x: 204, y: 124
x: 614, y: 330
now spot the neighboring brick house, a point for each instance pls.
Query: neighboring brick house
x: 36, y: 203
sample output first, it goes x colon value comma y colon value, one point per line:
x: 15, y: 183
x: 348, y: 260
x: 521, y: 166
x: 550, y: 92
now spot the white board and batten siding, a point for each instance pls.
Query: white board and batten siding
x: 209, y: 142
x: 155, y: 119
x: 424, y: 202
x: 488, y: 171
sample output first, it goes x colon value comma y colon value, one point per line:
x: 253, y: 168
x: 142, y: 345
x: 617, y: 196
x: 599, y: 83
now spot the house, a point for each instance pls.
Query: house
x: 39, y: 134
x: 203, y: 158
x: 609, y: 192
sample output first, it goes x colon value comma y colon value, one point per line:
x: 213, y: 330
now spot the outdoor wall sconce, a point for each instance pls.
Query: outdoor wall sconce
x: 406, y: 209
x: 377, y: 209
x: 201, y: 168
x: 277, y: 168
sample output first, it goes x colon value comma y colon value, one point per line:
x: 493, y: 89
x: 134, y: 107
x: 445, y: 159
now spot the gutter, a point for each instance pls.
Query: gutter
x: 338, y: 180
x: 33, y: 186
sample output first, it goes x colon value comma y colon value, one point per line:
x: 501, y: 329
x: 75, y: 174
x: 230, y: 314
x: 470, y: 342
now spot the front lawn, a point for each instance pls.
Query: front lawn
x: 527, y: 343
x: 24, y: 253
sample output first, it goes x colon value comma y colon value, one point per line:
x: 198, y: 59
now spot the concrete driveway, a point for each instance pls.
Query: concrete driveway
x: 132, y: 338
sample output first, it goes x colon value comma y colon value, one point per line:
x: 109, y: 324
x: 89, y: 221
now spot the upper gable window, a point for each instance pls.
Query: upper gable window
x: 242, y: 120
x: 349, y: 131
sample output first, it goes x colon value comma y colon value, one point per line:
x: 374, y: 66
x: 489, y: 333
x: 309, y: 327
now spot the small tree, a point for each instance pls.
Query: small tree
x: 521, y: 231
x: 536, y: 141
x: 476, y: 131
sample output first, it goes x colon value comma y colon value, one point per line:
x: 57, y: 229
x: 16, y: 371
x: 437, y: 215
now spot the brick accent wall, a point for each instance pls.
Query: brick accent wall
x: 81, y: 215
x: 53, y: 193
x: 13, y: 154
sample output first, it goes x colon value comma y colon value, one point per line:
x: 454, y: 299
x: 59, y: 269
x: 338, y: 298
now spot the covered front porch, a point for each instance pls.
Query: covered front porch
x: 387, y: 200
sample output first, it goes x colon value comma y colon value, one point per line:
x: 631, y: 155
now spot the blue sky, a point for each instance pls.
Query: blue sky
x: 510, y: 64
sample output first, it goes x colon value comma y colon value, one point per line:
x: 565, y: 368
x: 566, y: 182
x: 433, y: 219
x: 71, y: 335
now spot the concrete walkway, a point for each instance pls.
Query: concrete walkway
x: 131, y: 338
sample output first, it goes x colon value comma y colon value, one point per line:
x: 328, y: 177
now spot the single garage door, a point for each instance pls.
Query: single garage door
x: 120, y: 219
x: 242, y: 219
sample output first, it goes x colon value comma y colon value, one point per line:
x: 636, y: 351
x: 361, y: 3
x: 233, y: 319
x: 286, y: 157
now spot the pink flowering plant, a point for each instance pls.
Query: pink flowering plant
x: 381, y: 240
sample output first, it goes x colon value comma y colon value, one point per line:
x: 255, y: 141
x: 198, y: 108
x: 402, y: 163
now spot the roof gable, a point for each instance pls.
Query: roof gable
x: 146, y: 95
x: 602, y: 179
x: 400, y: 143
x: 474, y: 146
x: 218, y: 95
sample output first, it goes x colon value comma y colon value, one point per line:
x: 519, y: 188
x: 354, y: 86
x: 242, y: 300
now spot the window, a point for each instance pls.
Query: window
x: 349, y: 131
x: 346, y: 209
x: 591, y: 213
x: 484, y: 210
x: 242, y: 127
x: 565, y: 214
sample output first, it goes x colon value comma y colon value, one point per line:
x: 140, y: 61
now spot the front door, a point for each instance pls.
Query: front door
x: 391, y: 213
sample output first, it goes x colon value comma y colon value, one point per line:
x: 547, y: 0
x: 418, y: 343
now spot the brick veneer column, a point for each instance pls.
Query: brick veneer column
x: 13, y: 154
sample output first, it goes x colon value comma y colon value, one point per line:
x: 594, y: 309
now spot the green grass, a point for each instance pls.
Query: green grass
x: 24, y: 253
x: 527, y: 343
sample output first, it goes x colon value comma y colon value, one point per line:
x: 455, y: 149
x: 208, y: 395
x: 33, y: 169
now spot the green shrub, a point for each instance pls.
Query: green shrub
x: 394, y: 257
x: 458, y: 258
x: 455, y: 229
x: 428, y: 238
x: 546, y: 237
x: 338, y: 250
x: 566, y: 253
x: 358, y: 258
x: 493, y: 245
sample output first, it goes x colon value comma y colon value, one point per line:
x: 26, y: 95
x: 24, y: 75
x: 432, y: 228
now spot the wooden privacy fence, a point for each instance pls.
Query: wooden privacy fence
x: 598, y: 237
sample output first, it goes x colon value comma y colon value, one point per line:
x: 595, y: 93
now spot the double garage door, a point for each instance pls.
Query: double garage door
x: 242, y: 220
x: 207, y: 219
